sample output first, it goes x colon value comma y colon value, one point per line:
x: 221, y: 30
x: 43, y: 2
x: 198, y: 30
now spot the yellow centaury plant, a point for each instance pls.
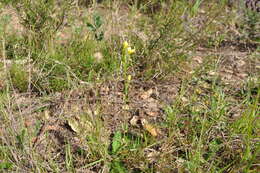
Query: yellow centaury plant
x: 127, y: 51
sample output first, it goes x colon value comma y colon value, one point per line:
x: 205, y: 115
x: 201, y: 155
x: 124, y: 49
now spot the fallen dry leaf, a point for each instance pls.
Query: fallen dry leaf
x: 184, y: 99
x: 212, y: 73
x: 153, y: 155
x: 152, y: 113
x: 134, y: 121
x: 98, y: 57
x: 80, y: 126
x: 147, y: 94
x: 46, y: 114
x: 28, y: 123
x: 150, y: 128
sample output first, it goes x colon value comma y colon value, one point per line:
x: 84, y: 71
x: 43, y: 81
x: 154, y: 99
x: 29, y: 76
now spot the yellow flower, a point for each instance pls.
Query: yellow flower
x: 127, y: 49
x: 130, y: 50
x: 129, y: 77
x: 125, y: 45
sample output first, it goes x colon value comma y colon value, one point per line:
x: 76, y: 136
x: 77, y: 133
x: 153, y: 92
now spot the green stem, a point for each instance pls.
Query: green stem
x: 126, y: 82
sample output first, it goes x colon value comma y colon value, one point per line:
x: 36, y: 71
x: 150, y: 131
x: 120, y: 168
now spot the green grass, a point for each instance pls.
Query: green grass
x: 63, y: 63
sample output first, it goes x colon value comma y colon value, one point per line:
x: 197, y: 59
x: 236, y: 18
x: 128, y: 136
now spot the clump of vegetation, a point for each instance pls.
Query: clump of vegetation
x: 19, y: 77
x: 42, y: 19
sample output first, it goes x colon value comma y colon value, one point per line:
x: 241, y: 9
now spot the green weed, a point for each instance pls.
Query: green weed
x: 95, y: 27
x: 19, y: 78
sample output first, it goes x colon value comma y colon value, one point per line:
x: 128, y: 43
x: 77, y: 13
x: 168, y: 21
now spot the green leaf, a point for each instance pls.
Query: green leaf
x: 99, y: 36
x: 91, y: 27
x: 196, y: 6
x: 5, y: 165
x: 117, y: 142
x: 21, y: 137
x: 117, y: 167
x: 97, y: 21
